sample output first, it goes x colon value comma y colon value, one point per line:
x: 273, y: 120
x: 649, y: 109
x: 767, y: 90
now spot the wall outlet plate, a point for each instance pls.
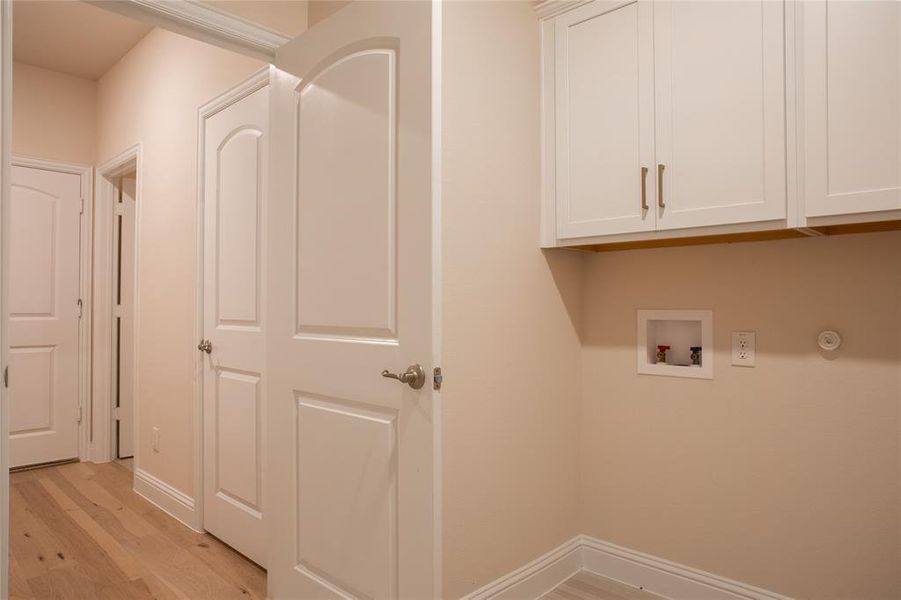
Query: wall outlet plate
x: 155, y: 439
x: 744, y: 348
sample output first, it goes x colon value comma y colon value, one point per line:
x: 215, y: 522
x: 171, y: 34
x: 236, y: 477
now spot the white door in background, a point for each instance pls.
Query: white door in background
x: 720, y: 107
x: 852, y: 107
x: 350, y: 294
x: 125, y: 292
x: 234, y: 392
x: 43, y: 315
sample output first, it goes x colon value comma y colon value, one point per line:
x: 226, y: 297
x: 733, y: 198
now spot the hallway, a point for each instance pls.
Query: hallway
x: 79, y: 531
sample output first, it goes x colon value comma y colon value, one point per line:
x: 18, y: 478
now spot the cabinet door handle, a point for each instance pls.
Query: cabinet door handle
x: 660, y: 201
x: 644, y: 188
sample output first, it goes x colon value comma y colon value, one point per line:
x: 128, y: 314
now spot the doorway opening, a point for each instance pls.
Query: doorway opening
x: 124, y: 316
x: 115, y: 306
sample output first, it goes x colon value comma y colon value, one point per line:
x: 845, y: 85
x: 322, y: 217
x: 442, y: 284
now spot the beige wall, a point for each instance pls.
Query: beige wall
x: 151, y: 97
x: 54, y: 115
x: 785, y: 475
x: 320, y: 9
x: 511, y: 351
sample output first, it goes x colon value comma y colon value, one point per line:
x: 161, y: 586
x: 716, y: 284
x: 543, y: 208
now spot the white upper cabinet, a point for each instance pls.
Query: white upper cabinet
x: 666, y: 115
x: 852, y: 107
x: 720, y: 112
x: 604, y: 119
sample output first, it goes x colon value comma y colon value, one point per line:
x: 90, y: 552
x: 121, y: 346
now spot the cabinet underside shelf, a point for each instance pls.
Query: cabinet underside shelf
x: 752, y: 236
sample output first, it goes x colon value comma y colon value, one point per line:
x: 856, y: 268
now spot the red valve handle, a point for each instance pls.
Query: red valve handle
x: 664, y: 348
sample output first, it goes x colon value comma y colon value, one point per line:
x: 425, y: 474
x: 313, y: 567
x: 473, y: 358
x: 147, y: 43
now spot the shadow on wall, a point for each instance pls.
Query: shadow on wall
x: 564, y: 266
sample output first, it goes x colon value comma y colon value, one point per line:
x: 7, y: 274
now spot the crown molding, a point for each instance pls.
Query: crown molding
x: 203, y: 22
x: 548, y: 9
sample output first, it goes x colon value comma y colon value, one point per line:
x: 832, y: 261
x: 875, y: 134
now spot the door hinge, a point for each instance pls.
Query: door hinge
x: 6, y: 376
x: 119, y: 209
x: 117, y: 311
x: 78, y: 415
x: 81, y: 208
x: 437, y: 378
x: 80, y: 308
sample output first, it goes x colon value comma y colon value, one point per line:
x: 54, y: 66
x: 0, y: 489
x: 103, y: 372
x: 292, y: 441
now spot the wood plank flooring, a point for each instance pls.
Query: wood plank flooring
x: 588, y: 586
x: 79, y: 531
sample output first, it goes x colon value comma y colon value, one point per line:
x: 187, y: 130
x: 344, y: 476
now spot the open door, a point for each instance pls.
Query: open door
x: 350, y: 296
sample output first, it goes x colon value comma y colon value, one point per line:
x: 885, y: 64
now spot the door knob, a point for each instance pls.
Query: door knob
x: 205, y: 345
x: 414, y: 376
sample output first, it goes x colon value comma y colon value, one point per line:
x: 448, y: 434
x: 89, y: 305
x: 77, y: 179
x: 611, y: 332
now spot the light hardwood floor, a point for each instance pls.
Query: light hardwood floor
x: 588, y: 586
x: 79, y: 531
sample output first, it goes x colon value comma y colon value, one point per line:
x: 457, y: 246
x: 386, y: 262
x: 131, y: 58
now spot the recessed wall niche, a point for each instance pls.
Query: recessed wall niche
x: 676, y: 343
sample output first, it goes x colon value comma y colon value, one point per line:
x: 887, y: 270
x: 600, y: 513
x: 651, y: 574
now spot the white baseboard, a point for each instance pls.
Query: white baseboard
x: 536, y: 578
x: 642, y: 571
x: 167, y: 498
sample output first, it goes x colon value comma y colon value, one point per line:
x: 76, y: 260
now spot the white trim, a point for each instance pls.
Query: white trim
x: 167, y: 498
x: 437, y: 403
x: 252, y: 84
x: 536, y: 578
x: 85, y: 239
x: 630, y: 567
x: 102, y: 406
x: 203, y: 22
x: 6, y: 83
x: 548, y: 9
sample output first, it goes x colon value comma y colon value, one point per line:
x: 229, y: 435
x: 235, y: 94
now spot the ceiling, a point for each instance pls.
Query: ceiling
x: 72, y: 37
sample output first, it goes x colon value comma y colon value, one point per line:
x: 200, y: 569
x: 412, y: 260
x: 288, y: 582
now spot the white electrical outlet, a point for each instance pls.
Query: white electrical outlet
x: 155, y: 439
x: 744, y: 348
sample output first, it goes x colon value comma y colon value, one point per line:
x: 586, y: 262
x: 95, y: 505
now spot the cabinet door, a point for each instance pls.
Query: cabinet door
x: 852, y: 107
x: 720, y: 107
x: 604, y: 118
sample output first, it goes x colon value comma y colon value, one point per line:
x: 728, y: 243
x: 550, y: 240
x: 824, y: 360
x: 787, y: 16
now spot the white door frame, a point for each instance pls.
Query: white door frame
x: 85, y: 237
x: 101, y: 449
x: 255, y: 82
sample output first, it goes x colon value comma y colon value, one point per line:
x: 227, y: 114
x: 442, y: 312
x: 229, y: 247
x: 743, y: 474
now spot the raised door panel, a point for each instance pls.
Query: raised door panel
x: 238, y: 455
x: 604, y: 119
x: 32, y: 388
x: 347, y: 459
x: 346, y: 200
x: 720, y: 106
x: 852, y: 91
x: 33, y: 255
x: 239, y: 183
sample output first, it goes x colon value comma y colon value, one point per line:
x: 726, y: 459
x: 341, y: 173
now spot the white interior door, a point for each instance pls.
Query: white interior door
x: 852, y: 107
x: 720, y: 107
x: 234, y: 392
x: 350, y: 294
x: 605, y: 119
x: 43, y: 315
x: 125, y: 291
